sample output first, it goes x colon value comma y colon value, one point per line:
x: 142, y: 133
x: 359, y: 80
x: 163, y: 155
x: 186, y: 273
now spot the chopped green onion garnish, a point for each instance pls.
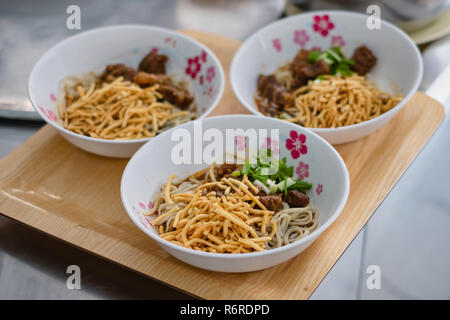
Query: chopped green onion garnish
x: 236, y: 173
x: 334, y: 57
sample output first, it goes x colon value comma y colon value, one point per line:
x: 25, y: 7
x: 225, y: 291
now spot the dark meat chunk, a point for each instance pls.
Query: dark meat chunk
x: 275, y: 92
x: 144, y: 79
x: 300, y: 79
x: 267, y: 107
x: 302, y: 70
x: 225, y: 170
x: 364, y: 59
x: 301, y: 59
x: 308, y: 72
x: 296, y: 198
x: 176, y: 96
x: 154, y: 63
x: 114, y: 71
x: 271, y: 201
x: 316, y: 69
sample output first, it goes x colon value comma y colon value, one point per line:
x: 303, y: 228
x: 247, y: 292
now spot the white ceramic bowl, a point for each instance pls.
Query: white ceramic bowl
x: 92, y: 50
x: 399, y: 65
x: 320, y: 164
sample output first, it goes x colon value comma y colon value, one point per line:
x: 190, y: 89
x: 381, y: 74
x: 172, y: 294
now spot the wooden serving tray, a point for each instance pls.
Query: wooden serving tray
x: 50, y: 185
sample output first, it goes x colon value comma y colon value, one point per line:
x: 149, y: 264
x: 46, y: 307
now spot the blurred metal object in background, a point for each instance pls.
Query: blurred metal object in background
x: 29, y: 28
x: 19, y: 109
x: 411, y: 15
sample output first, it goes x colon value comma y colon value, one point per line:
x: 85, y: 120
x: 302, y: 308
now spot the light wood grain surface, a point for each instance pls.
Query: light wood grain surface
x: 72, y: 195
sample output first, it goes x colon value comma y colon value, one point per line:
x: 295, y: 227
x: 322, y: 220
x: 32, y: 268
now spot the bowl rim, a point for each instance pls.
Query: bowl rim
x: 311, y: 237
x: 388, y: 114
x: 99, y: 30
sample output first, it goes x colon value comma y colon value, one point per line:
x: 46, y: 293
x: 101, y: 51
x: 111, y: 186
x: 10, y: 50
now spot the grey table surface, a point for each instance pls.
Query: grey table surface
x: 407, y: 238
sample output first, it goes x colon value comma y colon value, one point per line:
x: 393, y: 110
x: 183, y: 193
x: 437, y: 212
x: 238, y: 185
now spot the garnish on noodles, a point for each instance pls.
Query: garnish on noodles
x: 324, y: 90
x: 235, y: 209
x: 124, y: 103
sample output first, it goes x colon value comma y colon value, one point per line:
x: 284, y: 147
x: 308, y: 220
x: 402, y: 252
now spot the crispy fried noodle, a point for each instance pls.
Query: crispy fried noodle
x: 223, y: 215
x: 324, y: 89
x: 337, y: 101
x: 118, y: 110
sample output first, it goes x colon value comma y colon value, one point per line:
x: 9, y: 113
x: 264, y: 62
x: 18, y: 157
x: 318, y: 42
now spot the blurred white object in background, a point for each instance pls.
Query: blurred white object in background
x: 230, y: 18
x: 436, y: 58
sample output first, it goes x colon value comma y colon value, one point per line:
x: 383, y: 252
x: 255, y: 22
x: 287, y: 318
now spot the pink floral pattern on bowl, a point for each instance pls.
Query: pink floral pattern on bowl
x: 144, y: 220
x: 337, y: 41
x: 209, y: 91
x: 301, y: 37
x: 193, y: 67
x: 49, y: 114
x: 319, y: 189
x: 240, y: 142
x: 277, y: 44
x: 143, y: 206
x: 322, y: 24
x: 296, y: 144
x: 203, y: 56
x: 273, y: 145
x: 170, y: 41
x: 142, y: 216
x: 210, y: 74
x: 302, y: 170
